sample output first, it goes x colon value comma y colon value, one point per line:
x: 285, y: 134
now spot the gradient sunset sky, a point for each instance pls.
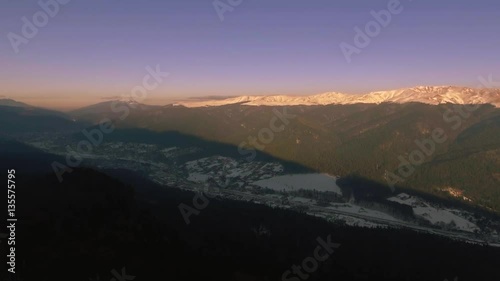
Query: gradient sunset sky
x: 94, y: 50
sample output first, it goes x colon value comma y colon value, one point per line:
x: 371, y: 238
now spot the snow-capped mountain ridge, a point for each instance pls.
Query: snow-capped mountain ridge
x: 423, y: 94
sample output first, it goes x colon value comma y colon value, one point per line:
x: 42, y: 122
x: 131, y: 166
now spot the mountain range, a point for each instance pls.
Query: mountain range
x: 334, y: 133
x: 423, y: 94
x: 364, y: 139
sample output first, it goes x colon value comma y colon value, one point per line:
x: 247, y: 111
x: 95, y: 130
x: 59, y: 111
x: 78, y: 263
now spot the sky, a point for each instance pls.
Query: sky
x: 90, y: 51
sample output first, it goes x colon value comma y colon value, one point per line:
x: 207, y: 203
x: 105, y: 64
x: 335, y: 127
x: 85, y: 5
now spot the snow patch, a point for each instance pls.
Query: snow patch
x: 319, y: 182
x: 436, y: 214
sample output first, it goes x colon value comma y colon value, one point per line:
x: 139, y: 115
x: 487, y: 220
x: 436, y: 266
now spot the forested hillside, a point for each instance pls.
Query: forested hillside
x: 366, y: 140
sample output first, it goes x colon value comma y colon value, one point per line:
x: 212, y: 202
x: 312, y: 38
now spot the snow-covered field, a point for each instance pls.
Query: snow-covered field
x: 352, y: 221
x: 434, y: 214
x: 358, y: 210
x: 197, y: 177
x: 319, y: 182
x: 230, y: 171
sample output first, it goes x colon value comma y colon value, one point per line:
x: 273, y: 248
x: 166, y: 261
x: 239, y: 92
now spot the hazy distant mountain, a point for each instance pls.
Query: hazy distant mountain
x: 211, y: 98
x: 423, y: 94
x: 11, y: 102
x: 22, y: 119
x: 108, y: 109
x: 29, y: 110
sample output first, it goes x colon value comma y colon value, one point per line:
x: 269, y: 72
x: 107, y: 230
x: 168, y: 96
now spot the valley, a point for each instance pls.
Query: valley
x: 270, y: 183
